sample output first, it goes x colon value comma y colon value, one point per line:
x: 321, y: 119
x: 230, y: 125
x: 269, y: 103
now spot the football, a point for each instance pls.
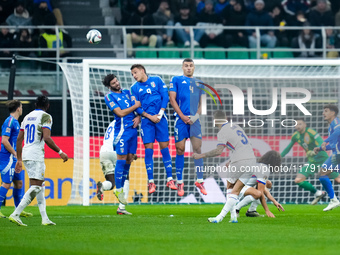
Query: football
x: 94, y: 36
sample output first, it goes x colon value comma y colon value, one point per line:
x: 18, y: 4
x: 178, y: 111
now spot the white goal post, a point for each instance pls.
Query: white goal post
x: 263, y: 77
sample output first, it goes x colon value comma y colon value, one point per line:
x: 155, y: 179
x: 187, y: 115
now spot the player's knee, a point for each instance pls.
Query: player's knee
x: 257, y: 194
x: 180, y: 151
x: 197, y: 150
x: 17, y: 184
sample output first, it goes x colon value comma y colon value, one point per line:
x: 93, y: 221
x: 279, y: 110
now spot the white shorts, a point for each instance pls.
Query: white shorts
x: 35, y: 169
x: 241, y: 170
x: 244, y: 189
x: 108, y: 162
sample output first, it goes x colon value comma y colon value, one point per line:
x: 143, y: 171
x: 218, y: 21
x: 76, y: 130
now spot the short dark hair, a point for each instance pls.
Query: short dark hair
x: 220, y: 115
x: 332, y: 108
x: 13, y: 105
x: 42, y: 102
x: 271, y: 158
x: 107, y: 79
x: 138, y: 66
x: 300, y: 118
x: 187, y: 60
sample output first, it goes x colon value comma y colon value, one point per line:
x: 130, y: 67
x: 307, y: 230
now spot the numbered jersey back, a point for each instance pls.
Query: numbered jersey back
x: 235, y: 139
x: 108, y: 138
x: 32, y: 125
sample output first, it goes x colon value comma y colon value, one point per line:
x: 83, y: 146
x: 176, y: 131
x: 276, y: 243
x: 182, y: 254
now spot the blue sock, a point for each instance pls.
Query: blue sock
x: 119, y: 173
x: 167, y: 162
x: 149, y: 163
x: 3, y: 192
x: 199, y: 168
x: 125, y: 173
x: 179, y: 167
x: 17, y: 195
x: 326, y: 183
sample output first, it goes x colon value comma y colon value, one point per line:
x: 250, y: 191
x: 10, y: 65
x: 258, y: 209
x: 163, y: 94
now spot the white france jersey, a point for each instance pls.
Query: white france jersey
x: 33, y: 125
x: 260, y: 175
x: 108, y: 138
x: 234, y: 138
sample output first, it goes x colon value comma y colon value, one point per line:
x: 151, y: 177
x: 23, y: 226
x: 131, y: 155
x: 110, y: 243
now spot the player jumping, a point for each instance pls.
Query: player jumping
x: 330, y: 113
x: 308, y: 140
x: 185, y: 98
x: 125, y: 132
x: 152, y: 92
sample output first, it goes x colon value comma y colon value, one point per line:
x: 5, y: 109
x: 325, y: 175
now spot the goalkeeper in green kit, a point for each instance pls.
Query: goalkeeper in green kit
x: 309, y: 139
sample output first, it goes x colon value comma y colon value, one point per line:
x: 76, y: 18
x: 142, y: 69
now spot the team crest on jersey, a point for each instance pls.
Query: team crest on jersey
x: 122, y: 150
x: 127, y: 97
x: 153, y: 84
x: 197, y: 83
x: 307, y: 138
x: 112, y: 104
x: 171, y: 85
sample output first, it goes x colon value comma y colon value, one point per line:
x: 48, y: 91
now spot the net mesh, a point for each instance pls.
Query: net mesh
x: 265, y: 132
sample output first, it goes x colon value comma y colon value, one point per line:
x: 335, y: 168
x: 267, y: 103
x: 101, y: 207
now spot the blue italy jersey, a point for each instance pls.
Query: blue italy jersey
x: 11, y: 129
x: 189, y: 91
x: 149, y: 93
x: 334, y: 135
x: 123, y: 101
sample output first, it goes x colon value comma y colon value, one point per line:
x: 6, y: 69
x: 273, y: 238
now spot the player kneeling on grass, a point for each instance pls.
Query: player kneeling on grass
x: 35, y: 131
x: 108, y: 159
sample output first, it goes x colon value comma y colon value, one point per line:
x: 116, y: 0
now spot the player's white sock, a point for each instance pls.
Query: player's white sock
x: 200, y: 180
x: 228, y: 192
x: 179, y: 181
x: 121, y: 206
x: 126, y: 189
x: 168, y: 179
x: 254, y: 205
x: 318, y: 193
x: 42, y: 203
x: 244, y: 202
x: 107, y: 185
x: 151, y: 180
x: 27, y: 199
x: 231, y: 201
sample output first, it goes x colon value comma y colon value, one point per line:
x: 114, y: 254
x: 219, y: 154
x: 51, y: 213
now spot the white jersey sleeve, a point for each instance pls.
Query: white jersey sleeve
x: 235, y: 139
x: 108, y: 138
x: 33, y: 125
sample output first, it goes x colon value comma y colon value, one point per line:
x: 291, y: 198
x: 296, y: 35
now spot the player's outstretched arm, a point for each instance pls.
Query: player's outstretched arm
x: 261, y: 187
x: 20, y: 139
x: 288, y: 148
x: 271, y: 198
x: 50, y: 143
x: 8, y: 146
x: 174, y: 104
x: 213, y: 153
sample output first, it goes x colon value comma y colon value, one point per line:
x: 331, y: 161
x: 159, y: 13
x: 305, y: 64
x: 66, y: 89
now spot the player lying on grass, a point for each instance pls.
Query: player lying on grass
x: 35, y: 130
x: 124, y: 131
x: 8, y: 157
x: 247, y: 195
x: 308, y: 139
x: 332, y: 164
x: 108, y: 159
x: 152, y: 92
x: 185, y: 98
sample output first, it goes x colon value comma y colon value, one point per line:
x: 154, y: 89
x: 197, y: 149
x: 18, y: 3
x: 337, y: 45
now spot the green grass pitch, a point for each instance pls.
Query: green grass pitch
x: 301, y: 229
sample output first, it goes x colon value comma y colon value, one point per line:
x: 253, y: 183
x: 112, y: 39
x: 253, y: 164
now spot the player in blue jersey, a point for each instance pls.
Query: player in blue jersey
x: 125, y: 130
x: 330, y: 113
x: 152, y: 92
x: 185, y: 98
x: 8, y: 156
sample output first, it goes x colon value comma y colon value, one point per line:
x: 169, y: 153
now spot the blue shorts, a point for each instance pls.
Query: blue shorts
x: 126, y: 142
x: 332, y: 163
x: 185, y: 131
x: 7, y: 172
x: 151, y: 131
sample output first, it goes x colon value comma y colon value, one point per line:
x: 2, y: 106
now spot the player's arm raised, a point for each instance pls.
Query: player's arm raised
x: 8, y: 146
x: 50, y: 143
x: 213, y: 153
x: 288, y: 148
x: 20, y: 139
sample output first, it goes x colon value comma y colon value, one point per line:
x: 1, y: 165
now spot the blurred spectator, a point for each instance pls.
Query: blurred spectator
x: 332, y: 42
x: 6, y: 41
x: 164, y: 17
x: 40, y: 11
x: 6, y: 9
x: 221, y: 5
x: 249, y: 5
x: 140, y: 35
x: 24, y: 40
x: 279, y: 21
x: 296, y: 21
x: 260, y: 18
x: 53, y: 7
x: 337, y: 19
x: 185, y: 19
x: 20, y: 17
x: 307, y: 40
x: 48, y: 39
x: 270, y: 4
x: 214, y: 31
x: 235, y: 16
x: 321, y: 15
x: 128, y: 8
x: 176, y: 4
x: 335, y: 4
x: 200, y: 6
x: 292, y: 7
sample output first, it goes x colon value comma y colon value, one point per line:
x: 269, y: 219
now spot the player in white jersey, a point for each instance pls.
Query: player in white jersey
x: 242, y: 166
x: 35, y: 131
x: 108, y: 159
